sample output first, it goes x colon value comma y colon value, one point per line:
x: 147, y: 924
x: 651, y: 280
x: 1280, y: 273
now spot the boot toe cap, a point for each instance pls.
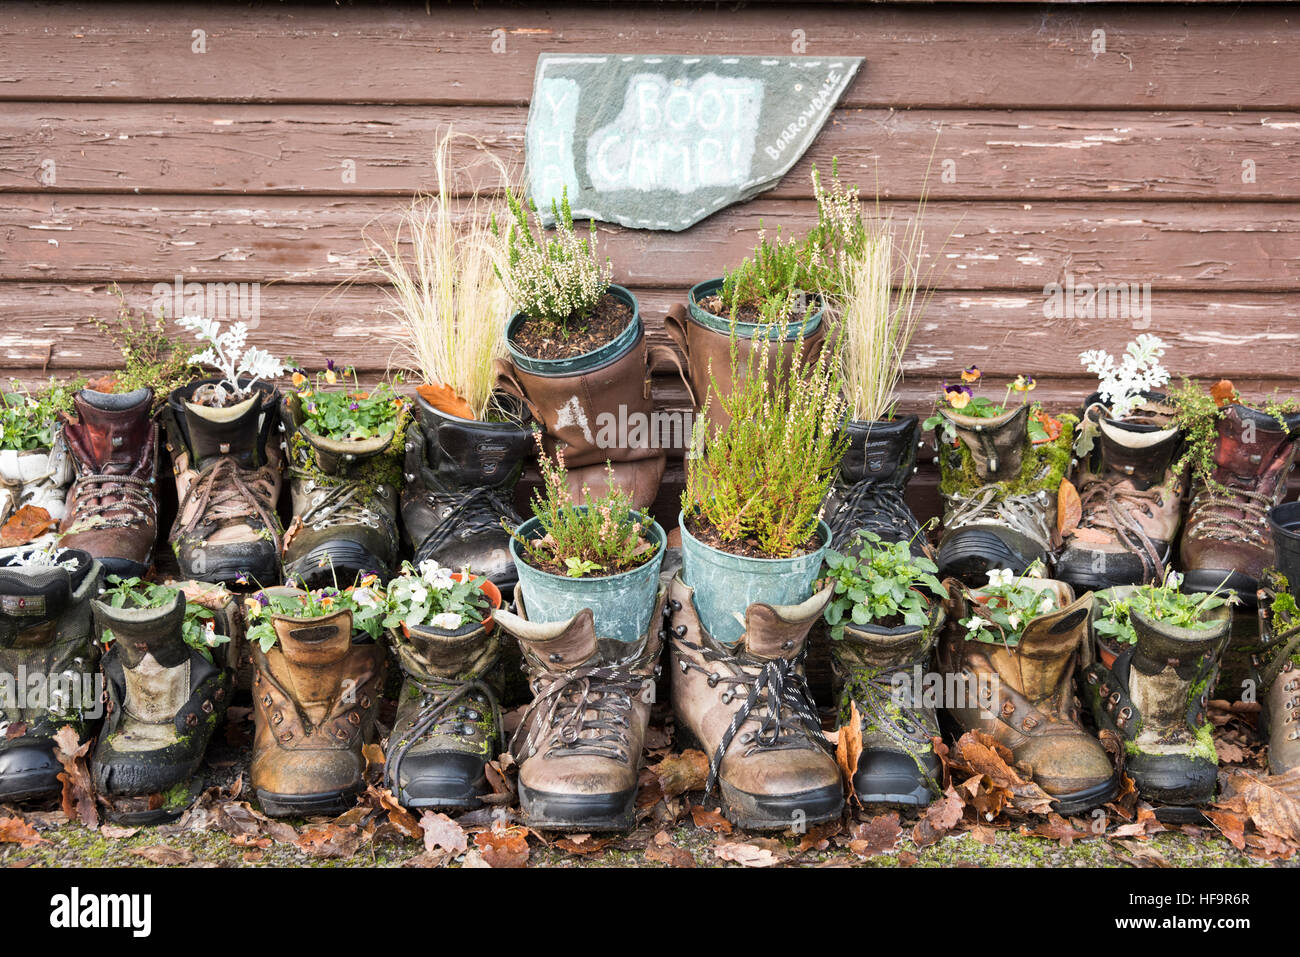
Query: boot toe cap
x: 1067, y: 765
x: 28, y: 772
x: 453, y: 779
x: 893, y: 777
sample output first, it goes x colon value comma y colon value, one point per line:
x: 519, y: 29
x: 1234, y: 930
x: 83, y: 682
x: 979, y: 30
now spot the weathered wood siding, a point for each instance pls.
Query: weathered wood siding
x: 1171, y: 157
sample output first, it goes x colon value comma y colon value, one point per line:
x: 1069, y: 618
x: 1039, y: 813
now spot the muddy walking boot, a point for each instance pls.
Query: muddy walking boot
x: 1154, y: 697
x: 868, y: 493
x: 48, y: 664
x: 1227, y: 540
x: 1131, y: 499
x: 579, y: 743
x: 1276, y: 665
x: 35, y: 477
x: 880, y: 672
x: 747, y: 706
x: 112, y: 507
x: 1022, y: 694
x: 999, y: 493
x: 345, y: 497
x: 315, y: 695
x: 460, y: 485
x: 448, y: 725
x: 165, y: 700
x: 227, y: 467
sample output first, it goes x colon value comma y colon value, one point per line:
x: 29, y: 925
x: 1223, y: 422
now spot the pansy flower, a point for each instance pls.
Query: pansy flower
x: 1024, y: 383
x: 958, y: 396
x: 971, y: 374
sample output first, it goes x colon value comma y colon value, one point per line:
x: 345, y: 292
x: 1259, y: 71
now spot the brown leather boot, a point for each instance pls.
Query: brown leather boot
x: 748, y: 707
x: 315, y: 695
x: 591, y: 418
x: 1035, y: 711
x: 1131, y: 499
x: 1227, y: 540
x: 579, y: 743
x: 112, y: 507
x: 228, y: 475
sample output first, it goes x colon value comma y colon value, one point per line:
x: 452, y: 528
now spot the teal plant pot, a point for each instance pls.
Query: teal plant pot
x: 725, y: 585
x: 622, y: 605
x: 744, y: 330
x: 588, y: 360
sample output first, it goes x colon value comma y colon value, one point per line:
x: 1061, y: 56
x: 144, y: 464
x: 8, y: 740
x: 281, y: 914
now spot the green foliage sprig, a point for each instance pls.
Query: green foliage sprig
x: 1011, y: 603
x: 343, y: 414
x: 883, y: 582
x: 198, y: 628
x: 29, y: 420
x: 363, y: 600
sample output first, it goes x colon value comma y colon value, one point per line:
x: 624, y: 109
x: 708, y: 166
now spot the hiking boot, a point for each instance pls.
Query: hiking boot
x: 999, y: 494
x: 460, y: 486
x: 112, y: 507
x: 1227, y: 540
x: 1154, y: 697
x: 1131, y: 500
x: 45, y: 633
x: 315, y: 695
x: 748, y: 707
x: 579, y: 743
x: 344, y: 505
x: 1023, y: 696
x: 39, y: 478
x: 228, y: 484
x: 165, y: 700
x: 1276, y: 666
x: 879, y: 670
x: 448, y: 725
x: 868, y: 493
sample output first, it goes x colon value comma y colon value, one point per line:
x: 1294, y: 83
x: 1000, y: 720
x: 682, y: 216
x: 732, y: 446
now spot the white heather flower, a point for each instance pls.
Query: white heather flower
x: 448, y: 621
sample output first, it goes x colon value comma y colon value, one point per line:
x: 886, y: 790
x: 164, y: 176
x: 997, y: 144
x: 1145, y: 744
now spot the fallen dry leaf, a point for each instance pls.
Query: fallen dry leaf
x: 115, y: 833
x: 746, y: 854
x: 329, y: 841
x: 78, y: 798
x: 441, y: 832
x: 1055, y: 828
x: 583, y: 844
x: 876, y: 836
x: 939, y: 818
x: 710, y: 820
x: 669, y: 854
x: 504, y: 846
x: 14, y: 830
x: 164, y: 855
x: 848, y: 749
x: 679, y: 773
x: 1069, y: 510
x: 25, y: 525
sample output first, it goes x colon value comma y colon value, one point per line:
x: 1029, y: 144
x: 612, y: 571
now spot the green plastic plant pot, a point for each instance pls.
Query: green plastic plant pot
x: 573, y: 365
x: 622, y: 605
x: 744, y: 330
x: 726, y: 584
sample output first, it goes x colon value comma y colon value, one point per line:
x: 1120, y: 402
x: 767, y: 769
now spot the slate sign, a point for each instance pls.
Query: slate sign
x: 661, y: 142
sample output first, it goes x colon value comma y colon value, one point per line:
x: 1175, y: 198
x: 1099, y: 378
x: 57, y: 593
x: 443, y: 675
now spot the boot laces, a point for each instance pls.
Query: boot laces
x: 1108, y: 508
x: 1212, y: 517
x: 987, y: 505
x: 227, y: 495
x: 339, y: 503
x: 479, y: 509
x: 445, y: 705
x: 776, y: 696
x: 874, y: 507
x: 133, y: 505
x: 586, y: 711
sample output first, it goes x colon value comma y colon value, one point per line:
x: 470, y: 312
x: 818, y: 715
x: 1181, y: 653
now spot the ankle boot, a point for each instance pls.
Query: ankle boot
x: 315, y: 696
x: 344, y: 505
x: 1276, y: 666
x: 748, y: 707
x: 1030, y: 687
x: 1131, y: 500
x: 448, y: 725
x: 45, y: 632
x: 460, y: 486
x: 880, y: 670
x: 581, y: 415
x: 165, y: 700
x: 112, y: 508
x: 579, y: 743
x: 1154, y: 697
x: 228, y: 484
x: 39, y: 478
x: 1227, y: 540
x: 997, y: 513
x: 868, y: 494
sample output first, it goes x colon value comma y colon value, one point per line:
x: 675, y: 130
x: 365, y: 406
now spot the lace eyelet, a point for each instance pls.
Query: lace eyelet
x: 713, y: 679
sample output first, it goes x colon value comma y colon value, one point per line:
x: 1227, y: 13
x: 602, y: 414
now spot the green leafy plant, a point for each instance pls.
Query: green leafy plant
x: 198, y: 628
x: 883, y: 584
x: 759, y: 482
x: 364, y: 600
x: 601, y: 535
x: 429, y: 596
x: 1002, y: 608
x: 151, y: 358
x: 342, y: 414
x: 1197, y: 413
x: 557, y: 280
x: 29, y: 420
x: 960, y: 398
x: 1163, y: 603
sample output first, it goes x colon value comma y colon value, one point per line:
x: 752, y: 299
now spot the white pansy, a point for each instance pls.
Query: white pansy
x: 1175, y: 581
x: 1013, y: 620
x: 1046, y: 605
x: 365, y: 597
x: 999, y: 577
x: 448, y: 621
x: 975, y: 624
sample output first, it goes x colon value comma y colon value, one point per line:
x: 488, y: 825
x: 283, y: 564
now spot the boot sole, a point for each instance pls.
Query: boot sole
x: 578, y: 812
x: 125, y: 567
x: 1087, y: 799
x: 971, y: 553
x: 1205, y: 580
x: 918, y: 797
x: 307, y: 805
x: 767, y: 812
x: 157, y: 815
x: 345, y: 560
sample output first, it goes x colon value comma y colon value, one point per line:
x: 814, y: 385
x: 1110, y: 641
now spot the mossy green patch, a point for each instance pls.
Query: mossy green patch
x: 1041, y: 467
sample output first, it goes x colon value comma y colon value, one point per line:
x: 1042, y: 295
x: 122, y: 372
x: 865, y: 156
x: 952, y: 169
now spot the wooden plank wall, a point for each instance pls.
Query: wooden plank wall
x: 1151, y: 144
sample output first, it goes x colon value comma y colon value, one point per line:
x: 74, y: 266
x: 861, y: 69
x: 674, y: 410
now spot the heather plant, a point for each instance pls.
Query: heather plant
x: 601, y: 535
x: 558, y: 280
x: 228, y: 353
x: 1163, y: 603
x: 775, y: 281
x: 29, y: 420
x: 760, y: 481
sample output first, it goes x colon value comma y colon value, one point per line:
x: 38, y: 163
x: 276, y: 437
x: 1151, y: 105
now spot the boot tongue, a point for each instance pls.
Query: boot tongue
x: 112, y: 432
x: 234, y: 431
x: 1143, y: 456
x: 447, y: 656
x: 573, y: 646
x: 781, y: 631
x: 146, y: 631
x: 1249, y: 444
x: 880, y: 451
x: 314, y: 643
